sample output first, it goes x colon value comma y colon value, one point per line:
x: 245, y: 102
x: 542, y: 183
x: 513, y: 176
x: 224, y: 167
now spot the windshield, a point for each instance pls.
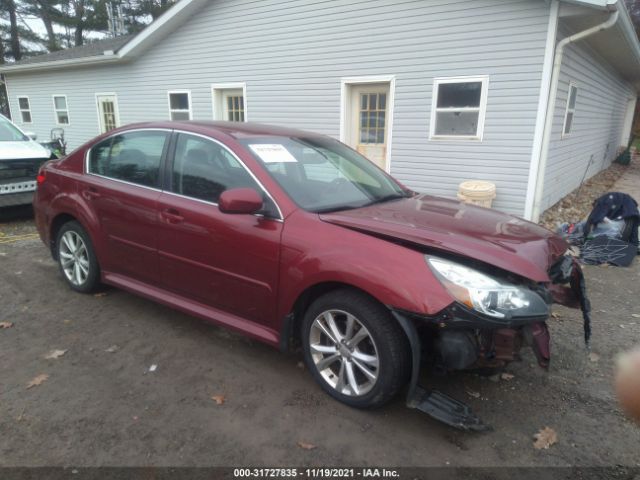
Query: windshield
x: 9, y: 133
x: 321, y: 174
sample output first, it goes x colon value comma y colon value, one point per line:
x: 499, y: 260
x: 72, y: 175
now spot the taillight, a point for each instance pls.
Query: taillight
x: 40, y: 178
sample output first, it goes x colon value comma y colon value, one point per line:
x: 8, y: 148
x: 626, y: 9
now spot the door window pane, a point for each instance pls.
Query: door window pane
x: 373, y: 111
x: 133, y: 157
x: 235, y: 108
x: 203, y: 169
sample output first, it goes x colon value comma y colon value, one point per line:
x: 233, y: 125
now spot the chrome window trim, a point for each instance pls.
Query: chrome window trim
x: 88, y: 155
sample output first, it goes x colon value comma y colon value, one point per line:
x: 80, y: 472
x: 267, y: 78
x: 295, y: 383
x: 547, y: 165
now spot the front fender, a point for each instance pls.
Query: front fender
x: 316, y: 252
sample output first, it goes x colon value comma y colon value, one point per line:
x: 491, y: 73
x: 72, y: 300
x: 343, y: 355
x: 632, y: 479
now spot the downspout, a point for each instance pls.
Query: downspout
x: 553, y: 92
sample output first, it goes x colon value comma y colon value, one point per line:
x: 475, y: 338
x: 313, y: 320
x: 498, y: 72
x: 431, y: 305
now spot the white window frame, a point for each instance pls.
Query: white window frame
x: 56, y: 110
x: 568, y: 110
x: 22, y: 110
x: 481, y: 109
x: 217, y: 94
x: 171, y: 92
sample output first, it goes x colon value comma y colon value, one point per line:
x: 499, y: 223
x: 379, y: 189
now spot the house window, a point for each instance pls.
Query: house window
x: 229, y: 102
x: 180, y: 105
x: 459, y: 106
x: 25, y: 109
x: 61, y: 109
x: 570, y: 111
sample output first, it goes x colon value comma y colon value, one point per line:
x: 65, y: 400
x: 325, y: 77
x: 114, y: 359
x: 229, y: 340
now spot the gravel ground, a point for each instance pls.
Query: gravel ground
x: 101, y: 405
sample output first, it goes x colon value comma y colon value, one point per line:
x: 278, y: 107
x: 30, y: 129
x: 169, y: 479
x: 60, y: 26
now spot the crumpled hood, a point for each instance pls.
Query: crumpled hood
x: 489, y: 236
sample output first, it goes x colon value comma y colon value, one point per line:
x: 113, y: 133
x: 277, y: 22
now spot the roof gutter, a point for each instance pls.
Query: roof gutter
x: 551, y: 105
x: 84, y: 61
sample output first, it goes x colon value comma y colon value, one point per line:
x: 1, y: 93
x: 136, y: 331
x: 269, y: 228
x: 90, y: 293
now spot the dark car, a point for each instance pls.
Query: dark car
x: 288, y: 237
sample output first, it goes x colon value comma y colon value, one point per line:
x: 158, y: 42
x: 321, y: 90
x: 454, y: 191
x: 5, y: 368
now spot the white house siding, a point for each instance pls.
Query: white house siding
x: 292, y: 55
x: 601, y: 106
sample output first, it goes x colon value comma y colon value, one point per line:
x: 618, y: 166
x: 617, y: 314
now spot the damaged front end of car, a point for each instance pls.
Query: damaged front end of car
x: 492, y: 318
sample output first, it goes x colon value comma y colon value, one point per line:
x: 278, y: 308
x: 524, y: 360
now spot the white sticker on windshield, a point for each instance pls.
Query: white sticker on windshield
x: 273, y: 153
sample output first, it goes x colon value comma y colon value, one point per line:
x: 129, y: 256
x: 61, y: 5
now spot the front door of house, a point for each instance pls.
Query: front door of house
x: 108, y: 112
x: 369, y: 121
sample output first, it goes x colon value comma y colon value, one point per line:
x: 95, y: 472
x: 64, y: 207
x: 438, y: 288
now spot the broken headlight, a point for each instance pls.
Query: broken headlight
x: 486, y: 294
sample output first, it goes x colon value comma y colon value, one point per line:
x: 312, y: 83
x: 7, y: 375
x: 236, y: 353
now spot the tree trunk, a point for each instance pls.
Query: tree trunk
x: 79, y: 24
x: 15, y: 37
x: 52, y: 43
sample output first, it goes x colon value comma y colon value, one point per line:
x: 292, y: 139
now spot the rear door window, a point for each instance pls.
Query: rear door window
x: 132, y: 157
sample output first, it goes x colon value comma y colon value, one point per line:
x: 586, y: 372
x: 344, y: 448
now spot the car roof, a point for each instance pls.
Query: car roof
x: 233, y: 129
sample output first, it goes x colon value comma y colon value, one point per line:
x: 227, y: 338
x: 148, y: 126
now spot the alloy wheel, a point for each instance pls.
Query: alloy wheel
x: 74, y: 258
x: 344, y: 353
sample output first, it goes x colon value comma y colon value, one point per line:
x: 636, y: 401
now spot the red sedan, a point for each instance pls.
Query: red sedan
x: 292, y: 237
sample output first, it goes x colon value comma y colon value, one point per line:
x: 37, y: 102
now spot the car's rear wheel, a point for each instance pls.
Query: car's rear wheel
x: 76, y: 258
x: 355, y: 349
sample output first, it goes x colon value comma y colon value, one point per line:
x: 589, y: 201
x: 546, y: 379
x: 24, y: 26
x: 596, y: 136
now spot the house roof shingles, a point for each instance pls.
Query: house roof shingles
x: 93, y: 49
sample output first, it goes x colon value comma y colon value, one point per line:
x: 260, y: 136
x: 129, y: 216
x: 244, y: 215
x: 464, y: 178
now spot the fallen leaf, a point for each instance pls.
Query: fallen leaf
x: 555, y: 315
x: 507, y: 376
x: 6, y: 324
x: 473, y: 394
x: 100, y: 295
x: 67, y: 322
x: 219, y: 399
x: 594, y: 357
x: 545, y: 438
x: 39, y: 380
x: 54, y: 354
x: 112, y: 349
x: 306, y: 446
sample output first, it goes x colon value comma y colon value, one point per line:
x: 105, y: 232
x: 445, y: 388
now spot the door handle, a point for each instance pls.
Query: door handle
x: 91, y: 193
x: 172, y: 215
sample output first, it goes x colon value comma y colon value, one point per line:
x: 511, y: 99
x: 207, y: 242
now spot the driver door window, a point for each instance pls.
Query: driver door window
x: 203, y: 169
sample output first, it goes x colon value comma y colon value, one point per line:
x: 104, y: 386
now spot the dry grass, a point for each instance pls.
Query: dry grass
x: 577, y: 205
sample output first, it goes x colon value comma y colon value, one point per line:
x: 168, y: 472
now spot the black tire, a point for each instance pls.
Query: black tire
x: 92, y: 280
x: 389, y: 343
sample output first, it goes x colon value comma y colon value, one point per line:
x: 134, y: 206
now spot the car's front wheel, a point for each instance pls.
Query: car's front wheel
x: 76, y: 258
x: 355, y: 349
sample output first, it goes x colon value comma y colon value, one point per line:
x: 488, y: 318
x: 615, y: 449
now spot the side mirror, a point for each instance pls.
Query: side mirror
x: 240, y: 201
x: 31, y: 135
